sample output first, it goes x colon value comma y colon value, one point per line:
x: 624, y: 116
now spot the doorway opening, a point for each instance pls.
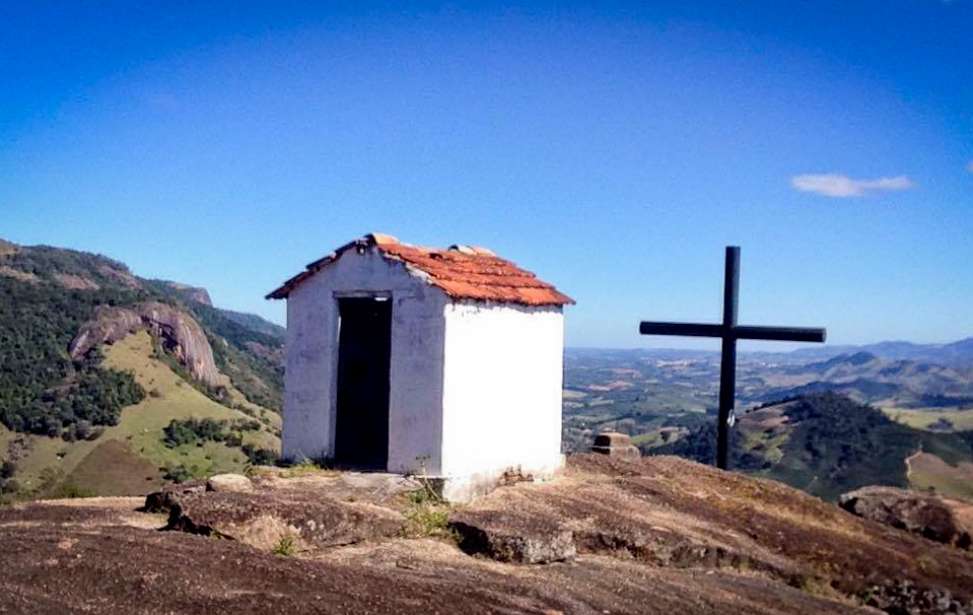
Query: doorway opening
x: 362, y: 399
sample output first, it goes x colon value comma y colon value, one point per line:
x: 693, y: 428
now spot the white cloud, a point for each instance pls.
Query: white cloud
x: 842, y: 186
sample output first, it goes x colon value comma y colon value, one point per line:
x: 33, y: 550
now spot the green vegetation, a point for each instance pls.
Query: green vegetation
x: 249, y: 355
x: 144, y: 459
x: 428, y: 521
x: 260, y: 456
x: 930, y: 419
x: 427, y: 515
x: 286, y: 546
x: 828, y: 445
x: 46, y: 295
x: 305, y: 467
x: 42, y: 390
x: 179, y: 473
x: 56, y: 413
x: 8, y: 485
x: 196, y: 431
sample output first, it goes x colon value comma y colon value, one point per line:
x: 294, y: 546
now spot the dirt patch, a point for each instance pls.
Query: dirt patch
x: 927, y: 471
x: 112, y: 469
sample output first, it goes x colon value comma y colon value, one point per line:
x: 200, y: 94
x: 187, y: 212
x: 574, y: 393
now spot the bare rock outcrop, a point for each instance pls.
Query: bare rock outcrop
x: 263, y: 515
x: 509, y: 537
x: 658, y: 535
x: 935, y: 517
x: 616, y: 444
x: 194, y: 294
x: 178, y: 332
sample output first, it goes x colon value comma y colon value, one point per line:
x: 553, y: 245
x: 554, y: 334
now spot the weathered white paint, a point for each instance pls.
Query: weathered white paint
x: 475, y: 387
x: 415, y: 379
x: 501, y: 391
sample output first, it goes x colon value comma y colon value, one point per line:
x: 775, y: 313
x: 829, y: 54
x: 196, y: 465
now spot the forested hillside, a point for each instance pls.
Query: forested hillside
x: 49, y: 295
x: 828, y: 444
x: 46, y: 294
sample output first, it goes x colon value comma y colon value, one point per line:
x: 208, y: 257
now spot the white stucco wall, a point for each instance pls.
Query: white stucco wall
x: 502, y: 389
x: 415, y: 391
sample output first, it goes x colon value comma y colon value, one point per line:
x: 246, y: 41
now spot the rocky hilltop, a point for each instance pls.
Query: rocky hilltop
x: 657, y: 535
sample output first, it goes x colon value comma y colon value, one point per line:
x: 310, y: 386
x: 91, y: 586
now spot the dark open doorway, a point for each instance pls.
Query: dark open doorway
x: 364, y: 348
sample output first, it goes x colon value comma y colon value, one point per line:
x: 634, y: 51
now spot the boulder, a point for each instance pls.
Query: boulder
x: 616, y: 444
x: 194, y: 294
x: 510, y: 537
x: 236, y: 483
x: 935, y: 517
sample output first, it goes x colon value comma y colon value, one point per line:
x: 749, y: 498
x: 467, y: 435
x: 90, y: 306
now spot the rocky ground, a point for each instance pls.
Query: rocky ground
x: 658, y: 535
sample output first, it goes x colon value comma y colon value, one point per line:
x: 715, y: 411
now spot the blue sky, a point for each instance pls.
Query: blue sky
x: 614, y: 149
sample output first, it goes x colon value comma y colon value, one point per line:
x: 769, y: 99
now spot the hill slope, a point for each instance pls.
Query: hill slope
x: 72, y: 406
x: 827, y: 444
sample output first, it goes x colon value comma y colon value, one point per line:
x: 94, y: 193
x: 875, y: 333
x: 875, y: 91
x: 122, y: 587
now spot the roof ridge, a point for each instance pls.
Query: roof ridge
x: 461, y: 271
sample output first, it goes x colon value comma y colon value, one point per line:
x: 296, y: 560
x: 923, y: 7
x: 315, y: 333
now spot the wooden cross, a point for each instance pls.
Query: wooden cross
x: 729, y: 331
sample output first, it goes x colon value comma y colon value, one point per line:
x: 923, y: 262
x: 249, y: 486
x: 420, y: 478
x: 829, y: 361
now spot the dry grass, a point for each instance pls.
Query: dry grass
x: 927, y: 471
x: 962, y: 420
x: 306, y: 468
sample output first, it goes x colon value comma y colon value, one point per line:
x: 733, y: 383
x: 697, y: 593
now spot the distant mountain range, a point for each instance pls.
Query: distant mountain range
x: 867, y: 377
x: 954, y: 353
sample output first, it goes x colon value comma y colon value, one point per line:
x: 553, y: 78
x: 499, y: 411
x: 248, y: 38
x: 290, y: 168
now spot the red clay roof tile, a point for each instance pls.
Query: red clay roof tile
x: 462, y: 272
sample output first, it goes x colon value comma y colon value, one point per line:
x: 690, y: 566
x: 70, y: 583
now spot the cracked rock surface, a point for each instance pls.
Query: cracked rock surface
x: 656, y: 535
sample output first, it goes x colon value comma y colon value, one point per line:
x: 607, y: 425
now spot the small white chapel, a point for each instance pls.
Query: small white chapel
x: 441, y: 362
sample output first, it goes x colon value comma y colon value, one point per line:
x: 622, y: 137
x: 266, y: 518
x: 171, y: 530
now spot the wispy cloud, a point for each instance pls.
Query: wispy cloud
x: 842, y: 186
x: 969, y: 167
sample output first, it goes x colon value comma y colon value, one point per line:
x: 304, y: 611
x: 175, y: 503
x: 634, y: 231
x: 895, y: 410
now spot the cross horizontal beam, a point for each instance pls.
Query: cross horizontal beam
x: 739, y: 332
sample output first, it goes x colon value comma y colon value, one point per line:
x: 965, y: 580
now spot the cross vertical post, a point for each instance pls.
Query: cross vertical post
x: 728, y: 360
x: 729, y: 332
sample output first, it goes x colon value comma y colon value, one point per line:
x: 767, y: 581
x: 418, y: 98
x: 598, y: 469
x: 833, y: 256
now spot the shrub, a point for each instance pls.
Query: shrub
x: 286, y: 546
x: 260, y: 456
x: 198, y: 431
x: 177, y: 473
x: 428, y: 520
